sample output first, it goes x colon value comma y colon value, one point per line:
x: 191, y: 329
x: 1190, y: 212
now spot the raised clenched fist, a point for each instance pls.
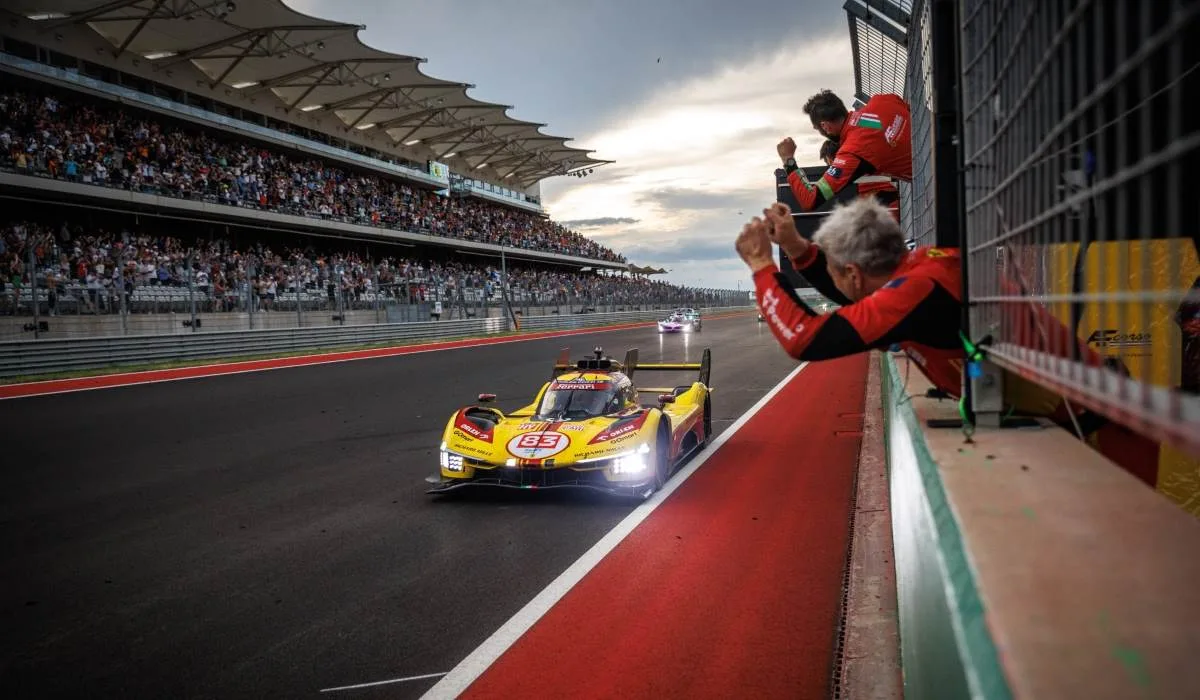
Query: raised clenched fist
x: 781, y: 228
x: 786, y: 149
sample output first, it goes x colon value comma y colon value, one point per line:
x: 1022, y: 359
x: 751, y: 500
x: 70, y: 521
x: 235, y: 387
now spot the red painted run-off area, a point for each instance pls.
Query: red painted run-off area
x: 55, y: 386
x: 731, y: 588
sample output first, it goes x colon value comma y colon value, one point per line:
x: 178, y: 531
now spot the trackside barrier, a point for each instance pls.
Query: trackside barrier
x: 946, y: 649
x: 32, y: 357
x: 1027, y: 565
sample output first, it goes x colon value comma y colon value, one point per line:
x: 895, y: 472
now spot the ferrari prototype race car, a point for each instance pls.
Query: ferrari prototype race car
x: 679, y: 321
x: 585, y: 428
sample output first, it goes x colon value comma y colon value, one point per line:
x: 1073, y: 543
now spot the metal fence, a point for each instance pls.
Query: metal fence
x: 32, y: 357
x: 1051, y: 143
x: 1080, y: 155
x: 917, y: 197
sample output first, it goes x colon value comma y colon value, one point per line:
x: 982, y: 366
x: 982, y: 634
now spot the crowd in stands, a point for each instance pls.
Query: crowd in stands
x: 81, y: 140
x: 93, y: 266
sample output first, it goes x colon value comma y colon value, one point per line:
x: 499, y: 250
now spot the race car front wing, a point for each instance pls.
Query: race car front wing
x: 538, y: 479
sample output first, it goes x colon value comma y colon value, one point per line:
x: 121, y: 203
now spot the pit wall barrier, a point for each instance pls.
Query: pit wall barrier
x: 1028, y: 565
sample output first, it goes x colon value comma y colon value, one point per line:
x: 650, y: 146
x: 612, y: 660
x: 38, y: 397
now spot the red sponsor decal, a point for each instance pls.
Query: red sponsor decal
x: 471, y: 429
x: 620, y: 429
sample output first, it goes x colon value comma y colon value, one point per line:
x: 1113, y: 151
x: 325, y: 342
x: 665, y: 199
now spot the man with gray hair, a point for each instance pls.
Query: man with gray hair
x: 893, y: 296
x: 858, y: 258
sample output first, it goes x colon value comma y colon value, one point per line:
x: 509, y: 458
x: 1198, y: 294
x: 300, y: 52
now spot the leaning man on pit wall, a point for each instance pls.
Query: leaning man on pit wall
x: 874, y: 140
x: 890, y: 295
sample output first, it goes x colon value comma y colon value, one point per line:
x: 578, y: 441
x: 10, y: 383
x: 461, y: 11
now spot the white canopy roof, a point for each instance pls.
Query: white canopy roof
x: 310, y: 64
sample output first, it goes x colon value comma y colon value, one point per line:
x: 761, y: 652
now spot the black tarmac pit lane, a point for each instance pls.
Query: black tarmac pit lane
x: 269, y: 534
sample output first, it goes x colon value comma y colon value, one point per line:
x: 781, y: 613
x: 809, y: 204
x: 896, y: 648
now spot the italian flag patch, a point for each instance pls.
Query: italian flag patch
x: 871, y: 121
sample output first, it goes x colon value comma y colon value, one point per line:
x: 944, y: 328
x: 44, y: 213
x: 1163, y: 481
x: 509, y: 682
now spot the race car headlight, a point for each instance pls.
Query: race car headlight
x: 450, y: 461
x: 631, y: 464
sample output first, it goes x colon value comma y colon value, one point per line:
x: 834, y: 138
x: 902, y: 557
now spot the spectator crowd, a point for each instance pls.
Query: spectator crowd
x: 95, y: 265
x: 91, y: 141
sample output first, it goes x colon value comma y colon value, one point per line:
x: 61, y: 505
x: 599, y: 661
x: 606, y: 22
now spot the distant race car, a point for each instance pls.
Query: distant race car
x: 586, y: 428
x: 680, y: 320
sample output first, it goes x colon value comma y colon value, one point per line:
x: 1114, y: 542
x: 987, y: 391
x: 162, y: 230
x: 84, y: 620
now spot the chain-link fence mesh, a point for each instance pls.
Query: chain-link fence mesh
x: 1080, y: 156
x: 917, y: 216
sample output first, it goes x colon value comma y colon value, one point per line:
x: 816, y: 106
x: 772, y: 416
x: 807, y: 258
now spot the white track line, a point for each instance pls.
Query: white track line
x: 314, y: 363
x: 478, y: 661
x: 387, y: 682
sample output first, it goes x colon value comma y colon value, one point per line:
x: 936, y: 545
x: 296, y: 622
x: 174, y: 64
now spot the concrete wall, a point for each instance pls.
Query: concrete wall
x: 90, y: 326
x: 1029, y: 565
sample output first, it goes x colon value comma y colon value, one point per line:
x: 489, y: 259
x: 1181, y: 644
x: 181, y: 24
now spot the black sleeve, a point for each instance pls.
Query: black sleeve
x: 817, y: 274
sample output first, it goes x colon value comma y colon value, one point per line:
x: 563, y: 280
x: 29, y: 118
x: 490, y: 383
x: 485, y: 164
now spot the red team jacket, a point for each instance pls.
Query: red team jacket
x: 919, y: 310
x: 875, y: 140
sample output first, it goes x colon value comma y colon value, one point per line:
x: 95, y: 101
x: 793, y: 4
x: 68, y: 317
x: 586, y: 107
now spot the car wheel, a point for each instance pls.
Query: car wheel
x: 662, y: 459
x: 707, y: 422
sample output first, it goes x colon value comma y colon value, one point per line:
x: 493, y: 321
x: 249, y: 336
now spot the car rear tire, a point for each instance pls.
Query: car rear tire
x: 707, y: 422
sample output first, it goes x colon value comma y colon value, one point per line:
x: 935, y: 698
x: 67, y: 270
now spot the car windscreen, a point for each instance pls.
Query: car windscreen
x: 578, y: 399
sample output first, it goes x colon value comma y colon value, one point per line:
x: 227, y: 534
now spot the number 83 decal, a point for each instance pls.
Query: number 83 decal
x: 537, y: 445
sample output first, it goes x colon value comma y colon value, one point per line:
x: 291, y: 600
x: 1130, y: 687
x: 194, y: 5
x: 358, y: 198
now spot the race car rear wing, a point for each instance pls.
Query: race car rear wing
x: 631, y: 365
x: 597, y: 363
x: 704, y: 367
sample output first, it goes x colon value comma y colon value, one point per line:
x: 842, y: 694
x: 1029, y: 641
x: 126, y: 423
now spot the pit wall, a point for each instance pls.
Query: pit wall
x: 1027, y: 565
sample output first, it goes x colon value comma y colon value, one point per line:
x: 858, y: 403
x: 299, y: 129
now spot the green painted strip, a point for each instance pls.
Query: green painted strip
x: 980, y: 658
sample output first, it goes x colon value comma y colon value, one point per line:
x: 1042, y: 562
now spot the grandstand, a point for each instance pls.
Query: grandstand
x: 245, y: 157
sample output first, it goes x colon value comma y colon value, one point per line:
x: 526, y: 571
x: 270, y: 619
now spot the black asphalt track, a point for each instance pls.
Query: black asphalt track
x: 268, y: 535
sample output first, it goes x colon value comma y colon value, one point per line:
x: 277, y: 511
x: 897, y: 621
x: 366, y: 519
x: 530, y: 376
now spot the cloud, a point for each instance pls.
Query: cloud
x: 682, y: 250
x: 543, y: 57
x: 697, y: 161
x: 601, y: 221
x: 684, y: 198
x: 693, y: 136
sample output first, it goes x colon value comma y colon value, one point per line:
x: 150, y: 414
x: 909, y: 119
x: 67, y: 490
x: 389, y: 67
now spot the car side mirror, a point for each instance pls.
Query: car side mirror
x: 666, y: 398
x: 487, y: 398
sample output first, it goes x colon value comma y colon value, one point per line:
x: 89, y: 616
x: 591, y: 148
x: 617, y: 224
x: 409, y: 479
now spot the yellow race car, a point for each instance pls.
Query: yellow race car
x: 586, y: 428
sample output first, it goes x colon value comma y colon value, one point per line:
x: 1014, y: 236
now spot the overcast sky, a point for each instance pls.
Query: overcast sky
x: 693, y: 136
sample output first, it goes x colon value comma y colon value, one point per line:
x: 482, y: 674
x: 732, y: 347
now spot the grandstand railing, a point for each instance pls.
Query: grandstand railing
x: 77, y: 310
x: 1080, y: 157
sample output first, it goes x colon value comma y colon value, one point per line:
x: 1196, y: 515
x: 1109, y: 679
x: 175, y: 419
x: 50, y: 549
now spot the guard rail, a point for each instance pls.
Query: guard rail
x: 34, y: 357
